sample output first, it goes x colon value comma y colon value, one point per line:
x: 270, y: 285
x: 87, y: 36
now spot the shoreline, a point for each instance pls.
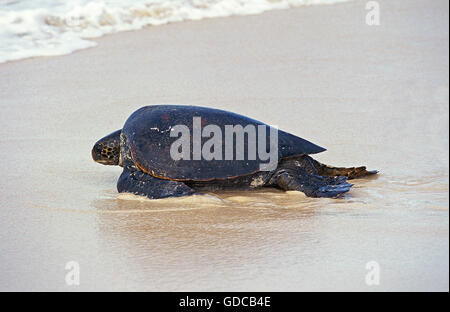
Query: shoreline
x: 152, y: 23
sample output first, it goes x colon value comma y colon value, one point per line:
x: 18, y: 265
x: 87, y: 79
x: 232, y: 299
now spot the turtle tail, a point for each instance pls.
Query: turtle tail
x: 350, y: 173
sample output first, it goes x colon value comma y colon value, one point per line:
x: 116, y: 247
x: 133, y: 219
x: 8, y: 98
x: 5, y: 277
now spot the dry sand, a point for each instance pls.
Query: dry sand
x: 372, y: 95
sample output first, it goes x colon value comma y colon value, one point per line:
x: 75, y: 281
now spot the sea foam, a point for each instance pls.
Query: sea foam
x: 55, y: 27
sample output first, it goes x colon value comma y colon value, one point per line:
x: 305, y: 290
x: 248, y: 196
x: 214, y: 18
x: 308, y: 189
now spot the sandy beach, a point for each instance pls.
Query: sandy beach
x: 372, y: 95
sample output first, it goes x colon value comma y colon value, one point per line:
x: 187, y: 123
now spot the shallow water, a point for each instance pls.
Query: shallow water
x: 368, y: 107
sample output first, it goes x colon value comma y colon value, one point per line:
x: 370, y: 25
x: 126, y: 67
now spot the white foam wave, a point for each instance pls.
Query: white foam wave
x: 56, y: 27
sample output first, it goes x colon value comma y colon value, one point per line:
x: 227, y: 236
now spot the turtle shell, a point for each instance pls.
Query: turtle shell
x: 148, y: 135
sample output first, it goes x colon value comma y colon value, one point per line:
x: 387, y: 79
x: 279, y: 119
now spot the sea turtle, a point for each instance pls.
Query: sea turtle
x: 177, y: 150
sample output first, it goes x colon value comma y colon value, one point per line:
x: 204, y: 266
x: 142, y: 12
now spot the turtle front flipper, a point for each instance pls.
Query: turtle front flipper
x: 311, y: 185
x: 143, y: 184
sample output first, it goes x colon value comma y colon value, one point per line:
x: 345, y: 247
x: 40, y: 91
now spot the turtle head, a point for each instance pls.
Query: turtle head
x: 107, y: 150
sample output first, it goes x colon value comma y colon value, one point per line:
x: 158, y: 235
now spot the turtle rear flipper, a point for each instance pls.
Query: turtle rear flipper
x: 312, y: 185
x: 140, y: 183
x: 350, y: 173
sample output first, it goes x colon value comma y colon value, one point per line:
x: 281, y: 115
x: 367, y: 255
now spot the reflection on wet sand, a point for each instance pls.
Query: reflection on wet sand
x: 191, y: 238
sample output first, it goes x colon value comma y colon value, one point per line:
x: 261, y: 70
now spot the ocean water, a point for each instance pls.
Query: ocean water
x: 55, y: 27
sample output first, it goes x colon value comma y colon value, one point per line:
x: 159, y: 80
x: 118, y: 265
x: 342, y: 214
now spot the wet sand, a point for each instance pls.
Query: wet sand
x: 375, y: 96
